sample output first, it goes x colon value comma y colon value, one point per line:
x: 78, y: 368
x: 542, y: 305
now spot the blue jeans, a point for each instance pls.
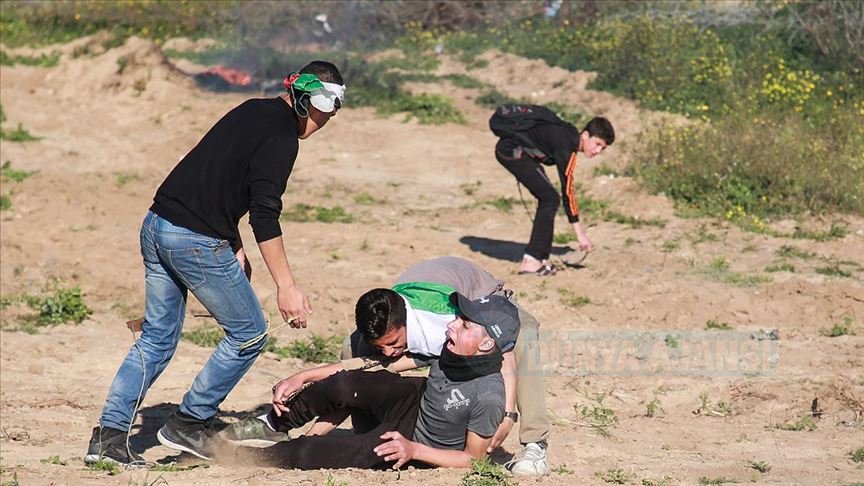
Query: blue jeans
x: 177, y: 260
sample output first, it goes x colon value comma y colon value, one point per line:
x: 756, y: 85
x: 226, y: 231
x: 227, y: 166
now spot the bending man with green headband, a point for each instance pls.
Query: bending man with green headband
x: 190, y: 243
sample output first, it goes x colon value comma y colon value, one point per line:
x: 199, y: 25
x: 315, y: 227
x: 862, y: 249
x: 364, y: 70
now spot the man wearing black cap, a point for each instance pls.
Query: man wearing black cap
x: 444, y: 420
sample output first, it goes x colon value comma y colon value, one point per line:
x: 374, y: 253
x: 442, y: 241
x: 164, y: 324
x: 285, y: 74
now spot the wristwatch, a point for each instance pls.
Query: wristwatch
x: 512, y: 415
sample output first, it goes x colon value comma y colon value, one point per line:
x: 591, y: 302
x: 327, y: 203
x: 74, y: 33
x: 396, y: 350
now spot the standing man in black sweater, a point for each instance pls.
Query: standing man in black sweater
x: 190, y: 242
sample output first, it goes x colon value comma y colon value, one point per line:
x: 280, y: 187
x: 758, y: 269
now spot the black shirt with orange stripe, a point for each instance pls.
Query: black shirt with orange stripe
x: 558, y: 144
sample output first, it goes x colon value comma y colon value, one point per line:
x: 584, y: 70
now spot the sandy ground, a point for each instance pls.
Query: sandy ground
x: 109, y: 139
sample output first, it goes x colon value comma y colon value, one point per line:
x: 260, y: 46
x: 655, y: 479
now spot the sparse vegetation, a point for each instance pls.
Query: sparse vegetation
x: 671, y: 341
x: 598, y: 416
x: 316, y: 349
x: 53, y: 460
x: 504, y: 204
x: 787, y: 251
x: 605, y: 170
x: 562, y: 470
x: 5, y: 202
x: 719, y: 270
x: 654, y: 407
x: 569, y: 298
x: 615, y: 476
x: 303, y: 213
x: 720, y: 409
x: 367, y: 199
x: 836, y: 231
x: 713, y: 325
x: 62, y: 305
x: 803, y: 424
x: 843, y: 328
x: 780, y: 267
x: 486, y: 473
x: 43, y: 60
x: 833, y: 270
x: 857, y: 455
x: 123, y: 178
x: 706, y: 481
x: 104, y: 466
x: 761, y: 466
x: 7, y: 173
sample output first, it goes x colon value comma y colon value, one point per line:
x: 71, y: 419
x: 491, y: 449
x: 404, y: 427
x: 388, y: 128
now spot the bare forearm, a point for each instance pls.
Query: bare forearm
x: 508, y: 371
x: 273, y: 253
x: 443, y: 458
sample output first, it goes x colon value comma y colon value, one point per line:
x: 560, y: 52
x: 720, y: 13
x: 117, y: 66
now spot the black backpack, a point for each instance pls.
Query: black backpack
x: 512, y: 121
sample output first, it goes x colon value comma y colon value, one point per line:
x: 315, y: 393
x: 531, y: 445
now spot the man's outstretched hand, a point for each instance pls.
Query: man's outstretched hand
x: 500, y: 434
x: 397, y: 448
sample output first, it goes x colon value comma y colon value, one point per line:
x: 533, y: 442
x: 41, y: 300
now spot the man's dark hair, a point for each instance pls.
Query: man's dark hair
x: 601, y: 128
x: 379, y: 311
x: 325, y: 71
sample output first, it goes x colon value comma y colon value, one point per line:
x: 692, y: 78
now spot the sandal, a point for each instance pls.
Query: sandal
x: 544, y: 271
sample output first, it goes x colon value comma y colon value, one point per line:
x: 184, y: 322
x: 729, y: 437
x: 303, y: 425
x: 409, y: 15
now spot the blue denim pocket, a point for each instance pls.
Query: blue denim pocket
x: 186, y: 264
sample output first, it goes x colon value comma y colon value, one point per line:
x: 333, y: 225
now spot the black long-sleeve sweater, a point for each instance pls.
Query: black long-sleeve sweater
x: 241, y: 165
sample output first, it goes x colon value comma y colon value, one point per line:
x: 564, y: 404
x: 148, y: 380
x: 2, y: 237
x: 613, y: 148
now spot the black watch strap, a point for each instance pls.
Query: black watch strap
x: 512, y: 415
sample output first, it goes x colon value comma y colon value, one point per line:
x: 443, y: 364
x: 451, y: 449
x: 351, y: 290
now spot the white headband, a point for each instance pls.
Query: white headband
x: 324, y: 99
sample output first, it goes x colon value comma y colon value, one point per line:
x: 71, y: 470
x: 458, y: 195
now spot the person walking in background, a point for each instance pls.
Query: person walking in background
x: 190, y: 242
x: 532, y: 136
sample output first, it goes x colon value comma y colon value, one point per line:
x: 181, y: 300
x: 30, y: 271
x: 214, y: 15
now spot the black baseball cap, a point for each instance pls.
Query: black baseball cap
x: 494, y: 312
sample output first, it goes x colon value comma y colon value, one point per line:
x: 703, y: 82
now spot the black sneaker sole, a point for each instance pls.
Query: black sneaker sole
x: 96, y: 458
x: 179, y: 447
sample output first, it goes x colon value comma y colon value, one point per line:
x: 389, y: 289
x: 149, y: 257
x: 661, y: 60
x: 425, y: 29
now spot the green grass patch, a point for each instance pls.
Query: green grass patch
x: 597, y: 415
x: 605, y: 171
x: 857, y: 455
x: 105, y: 466
x: 316, y: 349
x: 671, y: 341
x: 713, y: 325
x: 718, y: 270
x: 428, y: 109
x: 843, y: 328
x: 569, y: 298
x: 653, y: 408
x: 787, y: 251
x: 833, y: 270
x: 7, y: 173
x: 836, y: 231
x: 504, y: 204
x: 123, y: 178
x: 632, y: 221
x: 367, y: 199
x: 564, y: 238
x: 615, y: 476
x: 486, y: 473
x: 303, y: 213
x: 62, y: 305
x: 780, y: 267
x: 19, y: 134
x: 706, y: 481
x: 707, y: 408
x: 5, y: 202
x: 803, y: 424
x: 54, y: 460
x: 43, y: 60
x: 761, y: 466
x: 173, y: 467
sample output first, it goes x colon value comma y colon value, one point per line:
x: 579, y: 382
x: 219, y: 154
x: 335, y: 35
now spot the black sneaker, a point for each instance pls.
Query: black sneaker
x: 109, y: 445
x: 188, y: 434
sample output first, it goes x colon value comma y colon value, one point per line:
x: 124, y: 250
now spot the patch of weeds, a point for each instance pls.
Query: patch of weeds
x: 833, y: 270
x: 476, y: 64
x: 780, y: 267
x: 633, y: 221
x: 654, y: 407
x: 104, y: 466
x: 630, y: 241
x: 54, y: 460
x: 836, y: 231
x: 718, y: 270
x: 671, y: 341
x: 788, y: 251
x: 122, y: 63
x: 428, y: 109
x: 840, y: 329
x: 605, y: 170
x: 13, y: 481
x: 367, y: 199
x: 303, y: 213
x: 464, y: 81
x: 317, y: 349
x: 569, y: 115
x: 615, y: 476
x: 562, y: 470
x: 712, y: 325
x: 598, y: 416
x: 720, y: 409
x: 669, y: 246
x: 804, y: 424
x: 706, y: 481
x: 5, y: 202
x: 20, y: 134
x: 504, y: 204
x: 486, y: 473
x: 702, y: 235
x: 494, y: 98
x: 44, y: 60
x: 564, y: 238
x: 63, y: 305
x: 761, y: 466
x: 666, y: 481
x: 205, y: 336
x: 469, y: 188
x: 331, y: 481
x: 569, y: 298
x: 857, y: 455
x: 123, y: 178
x: 7, y: 173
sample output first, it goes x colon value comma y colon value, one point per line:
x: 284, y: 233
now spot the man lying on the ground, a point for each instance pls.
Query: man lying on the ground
x: 402, y: 328
x: 444, y: 420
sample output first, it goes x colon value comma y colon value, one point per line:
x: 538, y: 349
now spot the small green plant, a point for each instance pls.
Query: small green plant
x: 104, y: 466
x: 469, y: 188
x: 718, y: 270
x: 7, y: 173
x: 615, y: 476
x: 564, y: 238
x: 13, y: 481
x: 712, y: 325
x: 836, y: 231
x: 598, y: 415
x: 367, y: 199
x: 720, y: 409
x: 654, y: 407
x: 787, y: 251
x: 780, y: 267
x: 19, y: 134
x: 666, y: 481
x: 317, y: 349
x: 833, y: 270
x: 428, y: 109
x: 669, y: 246
x: 124, y: 178
x: 205, y: 336
x: 5, y: 202
x: 53, y: 460
x: 569, y: 298
x: 303, y: 213
x: 840, y: 329
x: 671, y: 341
x: 761, y: 466
x: 504, y: 204
x: 632, y: 221
x: 803, y: 424
x: 857, y: 455
x: 562, y: 470
x: 706, y: 481
x: 331, y: 481
x: 63, y: 305
x: 44, y: 60
x: 486, y: 473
